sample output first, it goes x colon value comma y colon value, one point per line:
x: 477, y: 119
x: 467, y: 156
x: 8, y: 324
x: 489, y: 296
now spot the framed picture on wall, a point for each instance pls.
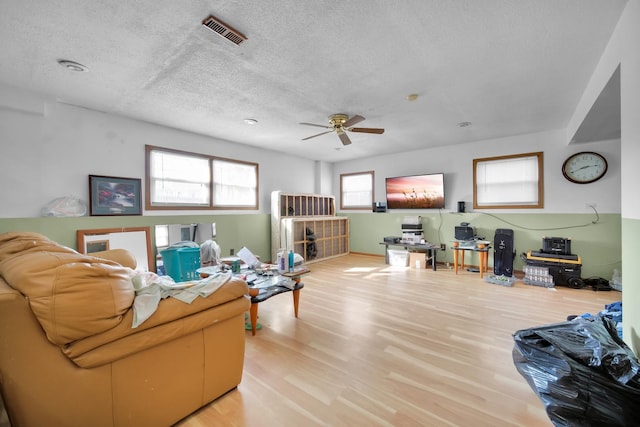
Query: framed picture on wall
x: 111, y: 195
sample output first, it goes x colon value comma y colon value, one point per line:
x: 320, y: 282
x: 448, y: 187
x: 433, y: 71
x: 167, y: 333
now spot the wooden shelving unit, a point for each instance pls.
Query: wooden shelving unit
x: 292, y: 214
x: 298, y: 205
x: 331, y: 236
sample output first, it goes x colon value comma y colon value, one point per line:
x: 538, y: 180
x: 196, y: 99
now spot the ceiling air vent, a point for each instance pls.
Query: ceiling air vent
x: 224, y: 30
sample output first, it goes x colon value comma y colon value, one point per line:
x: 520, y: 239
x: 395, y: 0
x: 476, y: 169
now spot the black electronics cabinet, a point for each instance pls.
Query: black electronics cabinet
x: 504, y: 252
x: 566, y: 271
x: 555, y: 256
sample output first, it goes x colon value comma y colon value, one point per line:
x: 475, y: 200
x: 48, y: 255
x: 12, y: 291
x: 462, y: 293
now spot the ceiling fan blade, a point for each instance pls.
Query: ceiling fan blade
x: 313, y: 136
x: 352, y: 121
x: 367, y: 130
x: 320, y: 126
x: 344, y: 138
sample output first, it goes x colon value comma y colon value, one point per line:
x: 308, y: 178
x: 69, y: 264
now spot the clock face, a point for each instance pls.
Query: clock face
x: 584, y: 167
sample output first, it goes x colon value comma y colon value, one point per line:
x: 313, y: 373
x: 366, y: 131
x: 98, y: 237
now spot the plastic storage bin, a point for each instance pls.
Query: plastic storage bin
x: 181, y: 263
x: 398, y: 258
x: 501, y: 280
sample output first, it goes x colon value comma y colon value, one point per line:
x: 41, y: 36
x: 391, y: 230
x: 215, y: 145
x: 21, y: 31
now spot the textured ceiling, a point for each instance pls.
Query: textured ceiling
x: 508, y: 67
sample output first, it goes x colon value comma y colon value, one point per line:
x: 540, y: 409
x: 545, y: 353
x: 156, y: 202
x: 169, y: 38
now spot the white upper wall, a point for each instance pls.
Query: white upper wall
x: 560, y: 195
x: 48, y: 152
x: 628, y: 36
x: 49, y: 149
x: 621, y: 50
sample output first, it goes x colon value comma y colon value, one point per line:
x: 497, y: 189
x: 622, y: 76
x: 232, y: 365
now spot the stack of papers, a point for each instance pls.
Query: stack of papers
x: 248, y: 257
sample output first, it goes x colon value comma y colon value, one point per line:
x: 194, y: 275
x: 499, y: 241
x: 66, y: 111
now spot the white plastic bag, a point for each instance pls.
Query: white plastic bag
x: 65, y: 206
x: 209, y: 253
x: 616, y: 280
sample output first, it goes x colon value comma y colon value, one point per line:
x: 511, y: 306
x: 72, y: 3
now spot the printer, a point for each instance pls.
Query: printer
x: 464, y: 232
x: 412, y: 230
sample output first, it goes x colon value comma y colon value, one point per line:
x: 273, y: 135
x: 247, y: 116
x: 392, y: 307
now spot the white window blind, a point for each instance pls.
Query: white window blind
x: 183, y: 180
x: 510, y: 181
x: 177, y: 179
x: 234, y: 183
x: 356, y: 190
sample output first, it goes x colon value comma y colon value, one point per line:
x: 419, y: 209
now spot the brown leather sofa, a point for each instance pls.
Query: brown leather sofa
x: 68, y: 353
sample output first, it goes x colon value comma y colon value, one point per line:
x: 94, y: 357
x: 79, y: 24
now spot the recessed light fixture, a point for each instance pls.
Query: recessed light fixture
x: 72, y: 65
x: 250, y: 121
x: 412, y: 97
x: 464, y: 124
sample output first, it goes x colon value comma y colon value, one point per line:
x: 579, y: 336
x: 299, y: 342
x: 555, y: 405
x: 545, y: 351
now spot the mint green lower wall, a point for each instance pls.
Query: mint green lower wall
x: 631, y: 283
x: 233, y: 231
x: 599, y: 245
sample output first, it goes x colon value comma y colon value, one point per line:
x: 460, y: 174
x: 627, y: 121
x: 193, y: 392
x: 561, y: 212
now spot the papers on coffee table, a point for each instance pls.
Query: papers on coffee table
x: 248, y: 257
x: 269, y: 281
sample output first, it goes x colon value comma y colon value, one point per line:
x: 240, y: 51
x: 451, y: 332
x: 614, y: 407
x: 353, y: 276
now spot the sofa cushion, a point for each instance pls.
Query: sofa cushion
x: 16, y: 243
x: 73, y: 296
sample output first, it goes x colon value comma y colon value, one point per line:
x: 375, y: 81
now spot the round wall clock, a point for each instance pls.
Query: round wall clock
x: 584, y: 167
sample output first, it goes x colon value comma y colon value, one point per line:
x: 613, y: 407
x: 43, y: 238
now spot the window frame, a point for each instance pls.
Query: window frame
x: 357, y: 207
x: 535, y: 204
x: 211, y: 206
x: 257, y: 188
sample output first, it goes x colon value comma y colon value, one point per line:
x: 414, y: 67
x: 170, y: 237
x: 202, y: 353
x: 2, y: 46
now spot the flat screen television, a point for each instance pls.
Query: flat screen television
x: 416, y: 192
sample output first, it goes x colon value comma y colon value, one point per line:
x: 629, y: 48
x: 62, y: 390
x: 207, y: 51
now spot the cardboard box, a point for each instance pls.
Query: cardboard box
x: 417, y: 260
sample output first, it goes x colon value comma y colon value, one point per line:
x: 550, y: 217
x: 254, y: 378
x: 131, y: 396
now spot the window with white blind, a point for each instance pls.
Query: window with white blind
x: 356, y: 190
x: 182, y: 180
x: 235, y: 184
x: 508, y: 182
x: 177, y: 179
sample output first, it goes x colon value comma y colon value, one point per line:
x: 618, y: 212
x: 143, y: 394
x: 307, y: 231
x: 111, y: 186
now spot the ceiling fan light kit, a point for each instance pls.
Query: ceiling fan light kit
x: 339, y: 123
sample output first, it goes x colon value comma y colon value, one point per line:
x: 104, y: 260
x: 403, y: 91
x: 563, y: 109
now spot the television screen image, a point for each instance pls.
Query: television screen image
x: 416, y: 192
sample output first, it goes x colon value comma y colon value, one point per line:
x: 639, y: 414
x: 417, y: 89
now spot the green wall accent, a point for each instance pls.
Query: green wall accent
x: 631, y: 284
x: 599, y: 245
x: 233, y: 231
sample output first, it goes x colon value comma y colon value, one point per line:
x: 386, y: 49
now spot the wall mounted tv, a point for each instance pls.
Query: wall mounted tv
x: 416, y: 192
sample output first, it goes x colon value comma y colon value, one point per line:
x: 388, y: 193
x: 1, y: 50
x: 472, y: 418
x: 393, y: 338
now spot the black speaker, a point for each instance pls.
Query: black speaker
x: 461, y: 207
x: 379, y: 207
x: 504, y: 252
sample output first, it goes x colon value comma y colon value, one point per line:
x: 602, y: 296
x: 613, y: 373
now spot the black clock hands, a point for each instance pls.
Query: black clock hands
x: 583, y: 167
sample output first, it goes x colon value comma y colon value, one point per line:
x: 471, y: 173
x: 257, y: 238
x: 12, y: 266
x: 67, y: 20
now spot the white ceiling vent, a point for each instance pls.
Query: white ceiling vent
x: 224, y: 30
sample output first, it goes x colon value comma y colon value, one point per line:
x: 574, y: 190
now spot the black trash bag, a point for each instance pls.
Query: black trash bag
x: 312, y: 250
x: 582, y: 371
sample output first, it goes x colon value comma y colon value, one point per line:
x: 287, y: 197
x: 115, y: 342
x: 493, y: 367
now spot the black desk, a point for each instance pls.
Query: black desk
x: 429, y: 248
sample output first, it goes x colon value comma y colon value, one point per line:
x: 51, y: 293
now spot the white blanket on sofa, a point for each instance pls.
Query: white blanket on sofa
x: 151, y: 288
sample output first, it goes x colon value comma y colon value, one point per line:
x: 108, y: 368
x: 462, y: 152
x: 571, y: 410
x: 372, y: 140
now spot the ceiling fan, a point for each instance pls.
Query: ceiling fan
x: 341, y: 123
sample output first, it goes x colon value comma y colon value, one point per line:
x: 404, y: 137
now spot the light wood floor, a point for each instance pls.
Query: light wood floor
x: 384, y: 346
